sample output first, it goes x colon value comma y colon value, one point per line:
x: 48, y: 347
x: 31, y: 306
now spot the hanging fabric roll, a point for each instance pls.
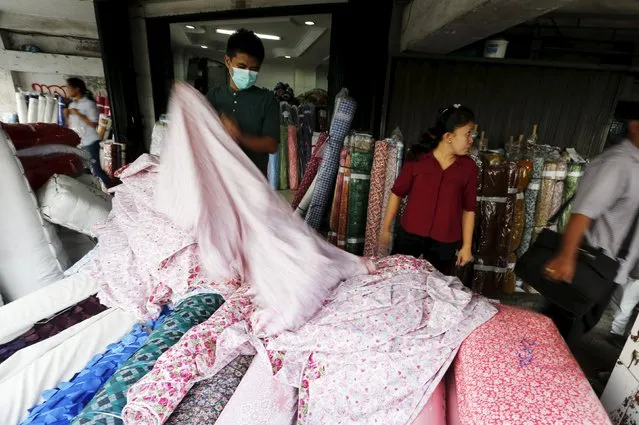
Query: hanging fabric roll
x: 21, y: 107
x: 575, y: 171
x: 285, y: 113
x: 525, y: 174
x: 544, y: 202
x: 293, y: 156
x: 376, y: 204
x: 340, y: 126
x: 311, y: 170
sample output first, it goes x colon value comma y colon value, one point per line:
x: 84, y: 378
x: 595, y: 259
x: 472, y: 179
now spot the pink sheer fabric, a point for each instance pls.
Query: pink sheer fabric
x: 210, y: 188
x: 373, y: 354
x: 144, y: 260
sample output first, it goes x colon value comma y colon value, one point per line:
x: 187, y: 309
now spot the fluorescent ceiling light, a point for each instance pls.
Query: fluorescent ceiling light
x: 287, y: 57
x: 263, y: 36
x: 309, y: 23
x: 204, y: 47
x: 190, y: 27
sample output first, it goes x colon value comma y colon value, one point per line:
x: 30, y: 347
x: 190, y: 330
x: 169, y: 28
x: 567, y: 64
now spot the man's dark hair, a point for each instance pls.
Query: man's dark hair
x: 245, y: 41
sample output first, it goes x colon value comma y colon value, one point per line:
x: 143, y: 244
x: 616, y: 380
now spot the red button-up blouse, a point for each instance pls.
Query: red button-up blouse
x: 436, y: 197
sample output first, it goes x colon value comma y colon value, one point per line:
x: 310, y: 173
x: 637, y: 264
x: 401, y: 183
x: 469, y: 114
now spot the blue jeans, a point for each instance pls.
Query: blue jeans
x: 96, y: 169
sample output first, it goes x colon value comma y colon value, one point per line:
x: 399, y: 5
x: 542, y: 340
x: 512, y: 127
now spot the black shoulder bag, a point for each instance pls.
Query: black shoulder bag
x: 595, y: 273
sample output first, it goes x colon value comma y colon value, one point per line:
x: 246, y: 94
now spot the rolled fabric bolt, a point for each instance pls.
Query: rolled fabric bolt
x: 61, y: 108
x: 33, y: 110
x: 21, y: 106
x: 49, y: 105
x: 42, y: 107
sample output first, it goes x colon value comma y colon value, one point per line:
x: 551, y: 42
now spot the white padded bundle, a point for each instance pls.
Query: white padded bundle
x: 73, y: 204
x: 31, y: 255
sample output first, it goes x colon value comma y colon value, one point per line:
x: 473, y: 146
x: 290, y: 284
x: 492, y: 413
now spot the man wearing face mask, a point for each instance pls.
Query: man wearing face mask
x: 249, y: 113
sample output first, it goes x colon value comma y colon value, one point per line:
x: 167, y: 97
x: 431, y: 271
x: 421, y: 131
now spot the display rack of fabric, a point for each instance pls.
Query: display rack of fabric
x: 311, y: 170
x: 343, y: 115
x: 52, y: 326
x: 111, y: 398
x: 63, y: 403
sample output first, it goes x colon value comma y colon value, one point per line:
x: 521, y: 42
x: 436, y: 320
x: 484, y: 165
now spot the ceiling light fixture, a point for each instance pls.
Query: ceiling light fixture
x: 287, y: 56
x: 309, y: 23
x: 204, y: 47
x: 189, y: 27
x: 262, y: 36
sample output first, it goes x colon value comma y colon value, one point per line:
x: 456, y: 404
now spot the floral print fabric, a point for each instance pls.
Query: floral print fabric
x: 385, y: 340
x: 140, y: 267
x: 518, y: 360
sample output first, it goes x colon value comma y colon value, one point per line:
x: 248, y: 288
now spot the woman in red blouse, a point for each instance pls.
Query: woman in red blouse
x: 440, y: 181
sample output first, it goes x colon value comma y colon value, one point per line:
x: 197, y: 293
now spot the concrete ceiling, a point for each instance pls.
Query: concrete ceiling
x: 307, y: 45
x: 75, y: 10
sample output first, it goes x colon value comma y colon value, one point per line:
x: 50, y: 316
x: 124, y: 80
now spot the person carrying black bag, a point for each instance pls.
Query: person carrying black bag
x: 601, y: 238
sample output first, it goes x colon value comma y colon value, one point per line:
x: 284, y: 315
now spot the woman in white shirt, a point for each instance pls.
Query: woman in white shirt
x: 82, y: 116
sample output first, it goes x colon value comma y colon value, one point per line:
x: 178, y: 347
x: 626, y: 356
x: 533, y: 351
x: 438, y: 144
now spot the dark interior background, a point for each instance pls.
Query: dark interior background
x: 573, y: 107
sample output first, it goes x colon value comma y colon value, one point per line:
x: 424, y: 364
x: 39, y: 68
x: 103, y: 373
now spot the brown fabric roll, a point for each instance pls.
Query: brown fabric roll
x: 491, y: 217
x: 510, y: 279
x: 489, y: 276
x: 507, y: 227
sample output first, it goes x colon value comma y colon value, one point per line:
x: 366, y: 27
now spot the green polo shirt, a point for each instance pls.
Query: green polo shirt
x: 256, y: 112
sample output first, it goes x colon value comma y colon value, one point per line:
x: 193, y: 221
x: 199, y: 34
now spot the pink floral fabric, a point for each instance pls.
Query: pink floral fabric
x: 373, y: 354
x: 144, y: 260
x: 516, y: 369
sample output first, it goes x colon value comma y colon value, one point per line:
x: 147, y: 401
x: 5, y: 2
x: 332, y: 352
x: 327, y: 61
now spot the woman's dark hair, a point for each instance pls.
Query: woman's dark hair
x: 79, y: 84
x: 448, y: 120
x: 245, y: 41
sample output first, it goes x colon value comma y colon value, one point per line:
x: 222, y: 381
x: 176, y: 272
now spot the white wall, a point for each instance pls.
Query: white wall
x: 301, y: 79
x: 66, y: 33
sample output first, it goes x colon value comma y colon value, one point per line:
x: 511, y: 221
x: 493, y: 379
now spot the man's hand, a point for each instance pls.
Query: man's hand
x: 231, y: 127
x: 561, y: 268
x: 464, y: 256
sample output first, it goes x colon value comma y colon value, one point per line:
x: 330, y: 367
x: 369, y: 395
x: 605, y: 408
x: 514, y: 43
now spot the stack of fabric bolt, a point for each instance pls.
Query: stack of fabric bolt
x: 387, y: 163
x: 350, y: 200
x: 344, y: 112
x: 495, y: 223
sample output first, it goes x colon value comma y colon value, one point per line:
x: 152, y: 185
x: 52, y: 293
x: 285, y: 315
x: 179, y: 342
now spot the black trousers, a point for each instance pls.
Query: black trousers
x: 441, y: 255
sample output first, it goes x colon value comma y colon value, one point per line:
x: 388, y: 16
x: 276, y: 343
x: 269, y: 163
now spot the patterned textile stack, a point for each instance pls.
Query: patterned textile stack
x: 305, y: 191
x: 111, y: 398
x: 495, y: 224
x: 340, y: 127
x: 387, y: 163
x: 350, y: 200
x: 305, y: 129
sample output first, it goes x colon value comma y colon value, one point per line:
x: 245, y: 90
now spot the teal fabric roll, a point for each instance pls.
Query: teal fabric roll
x: 106, y: 407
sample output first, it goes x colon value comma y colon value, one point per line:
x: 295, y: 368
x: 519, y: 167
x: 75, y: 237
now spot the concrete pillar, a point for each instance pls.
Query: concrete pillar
x: 439, y: 27
x: 7, y: 85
